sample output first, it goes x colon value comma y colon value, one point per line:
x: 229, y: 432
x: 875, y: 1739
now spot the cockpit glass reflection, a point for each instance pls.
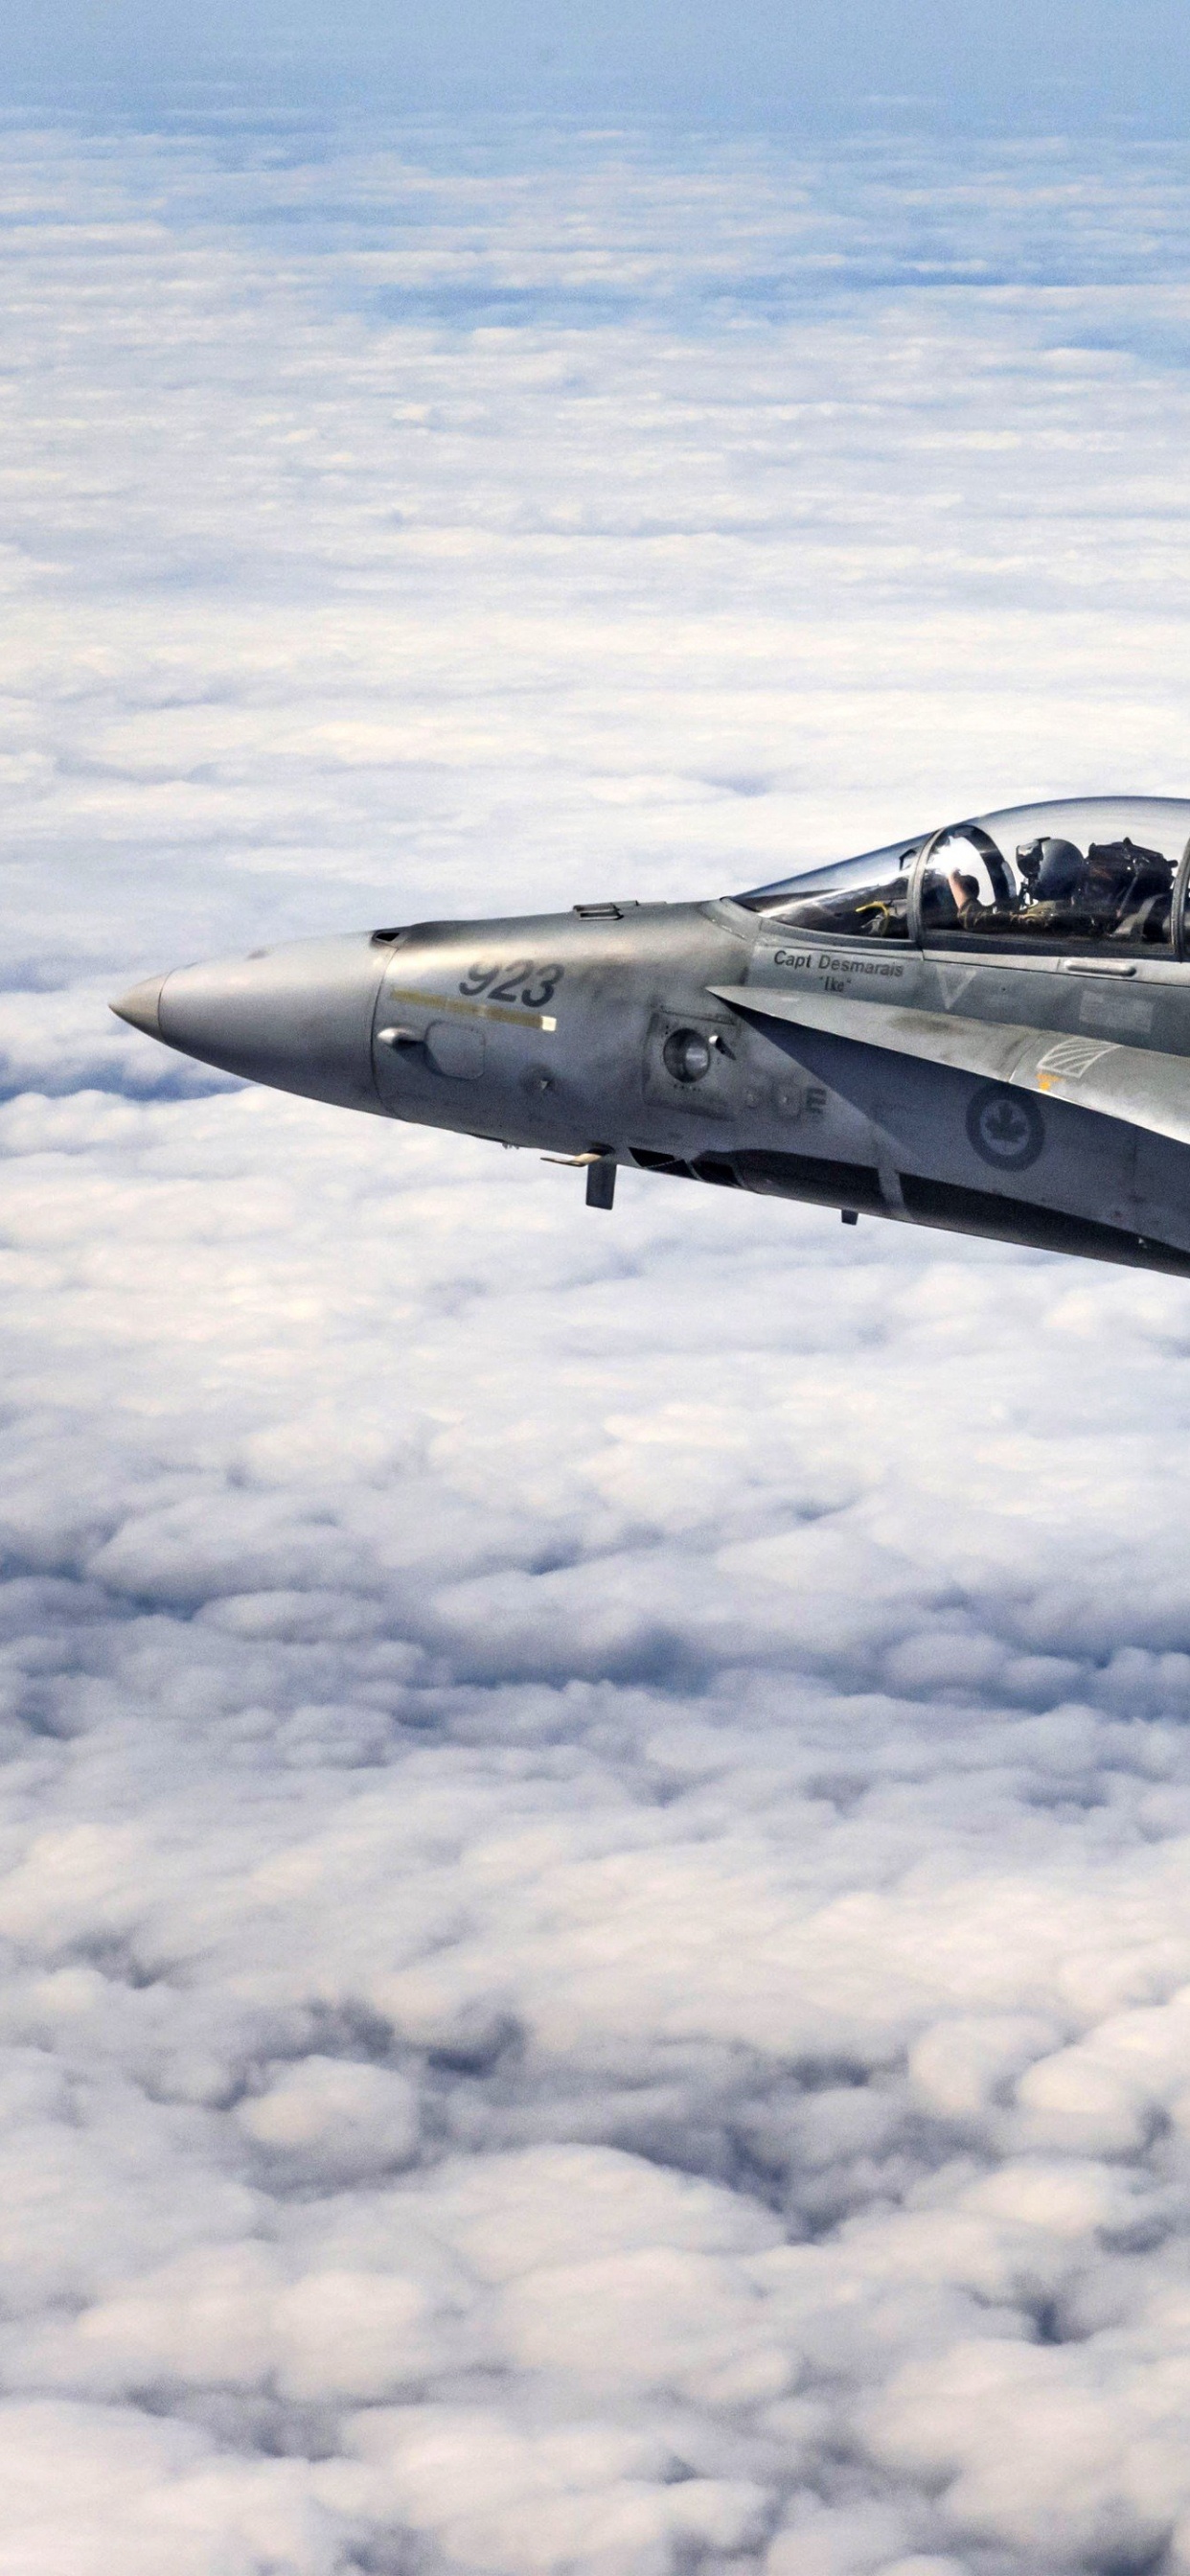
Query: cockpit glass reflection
x: 865, y: 898
x: 1077, y: 875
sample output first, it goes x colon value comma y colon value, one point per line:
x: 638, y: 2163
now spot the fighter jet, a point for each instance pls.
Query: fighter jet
x: 983, y: 1028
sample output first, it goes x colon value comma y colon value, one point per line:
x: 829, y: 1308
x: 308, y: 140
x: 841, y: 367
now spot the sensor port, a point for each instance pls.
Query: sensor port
x: 687, y: 1055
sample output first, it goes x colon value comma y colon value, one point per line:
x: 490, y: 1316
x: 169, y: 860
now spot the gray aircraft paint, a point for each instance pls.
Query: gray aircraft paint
x: 1041, y: 1097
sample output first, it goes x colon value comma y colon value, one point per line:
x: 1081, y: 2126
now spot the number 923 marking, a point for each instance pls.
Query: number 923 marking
x: 532, y: 986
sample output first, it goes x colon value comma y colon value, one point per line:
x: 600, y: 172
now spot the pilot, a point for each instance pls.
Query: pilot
x: 965, y: 889
x: 1051, y: 869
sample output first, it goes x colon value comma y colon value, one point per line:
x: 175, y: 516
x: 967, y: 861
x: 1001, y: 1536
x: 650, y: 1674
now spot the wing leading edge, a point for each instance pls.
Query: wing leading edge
x: 1138, y: 1085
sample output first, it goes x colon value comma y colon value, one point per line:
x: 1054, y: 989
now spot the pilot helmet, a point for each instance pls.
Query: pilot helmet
x: 1056, y: 868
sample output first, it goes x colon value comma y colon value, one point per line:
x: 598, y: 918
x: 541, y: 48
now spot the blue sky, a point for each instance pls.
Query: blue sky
x: 1080, y: 65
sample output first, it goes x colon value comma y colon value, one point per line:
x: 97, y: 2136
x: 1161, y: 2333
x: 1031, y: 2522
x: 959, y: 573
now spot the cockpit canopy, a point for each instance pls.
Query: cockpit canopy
x: 1071, y: 875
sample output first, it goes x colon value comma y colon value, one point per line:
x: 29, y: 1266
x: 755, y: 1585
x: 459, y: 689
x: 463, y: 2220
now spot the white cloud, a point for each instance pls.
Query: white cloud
x: 594, y: 1902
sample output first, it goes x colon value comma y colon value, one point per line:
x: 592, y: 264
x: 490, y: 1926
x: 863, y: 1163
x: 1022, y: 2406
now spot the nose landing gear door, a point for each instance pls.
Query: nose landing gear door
x: 693, y: 1063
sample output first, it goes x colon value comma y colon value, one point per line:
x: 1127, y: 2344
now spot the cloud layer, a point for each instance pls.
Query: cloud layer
x: 594, y: 1906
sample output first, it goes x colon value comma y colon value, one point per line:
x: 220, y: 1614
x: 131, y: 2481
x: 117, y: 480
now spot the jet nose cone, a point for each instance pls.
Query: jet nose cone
x: 297, y: 1017
x: 141, y: 1007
